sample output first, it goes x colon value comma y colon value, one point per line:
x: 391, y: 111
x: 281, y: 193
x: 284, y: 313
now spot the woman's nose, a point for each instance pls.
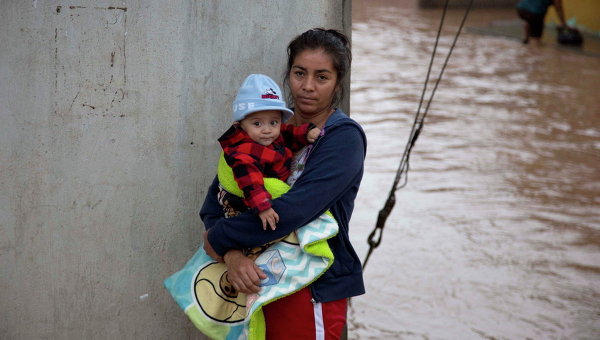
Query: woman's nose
x: 309, y: 83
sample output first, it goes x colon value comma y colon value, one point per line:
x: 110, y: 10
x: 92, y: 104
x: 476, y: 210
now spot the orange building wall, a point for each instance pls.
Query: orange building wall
x: 585, y: 12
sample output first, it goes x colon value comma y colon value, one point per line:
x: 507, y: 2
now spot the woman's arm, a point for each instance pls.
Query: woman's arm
x: 331, y: 171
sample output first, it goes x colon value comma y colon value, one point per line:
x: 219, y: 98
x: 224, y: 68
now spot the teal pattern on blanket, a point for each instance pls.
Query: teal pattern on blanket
x: 300, y: 267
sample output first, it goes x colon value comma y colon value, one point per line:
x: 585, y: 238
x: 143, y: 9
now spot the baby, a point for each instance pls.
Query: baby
x: 259, y: 144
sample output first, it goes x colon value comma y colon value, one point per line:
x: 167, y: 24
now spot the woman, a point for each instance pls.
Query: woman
x: 331, y: 170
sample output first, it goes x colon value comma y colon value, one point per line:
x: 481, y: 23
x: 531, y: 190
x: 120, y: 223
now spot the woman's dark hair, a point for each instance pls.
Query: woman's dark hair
x: 334, y: 43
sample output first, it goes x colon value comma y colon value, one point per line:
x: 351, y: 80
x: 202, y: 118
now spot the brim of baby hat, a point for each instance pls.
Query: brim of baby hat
x: 286, y: 113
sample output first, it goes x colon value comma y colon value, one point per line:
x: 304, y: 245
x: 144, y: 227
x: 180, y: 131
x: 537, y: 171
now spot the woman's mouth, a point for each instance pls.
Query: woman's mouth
x: 306, y: 100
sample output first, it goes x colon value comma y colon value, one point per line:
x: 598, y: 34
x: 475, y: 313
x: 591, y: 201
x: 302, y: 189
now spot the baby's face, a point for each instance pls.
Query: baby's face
x: 263, y: 127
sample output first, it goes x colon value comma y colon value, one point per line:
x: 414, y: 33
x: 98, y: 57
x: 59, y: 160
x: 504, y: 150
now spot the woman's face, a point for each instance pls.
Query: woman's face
x: 313, y: 82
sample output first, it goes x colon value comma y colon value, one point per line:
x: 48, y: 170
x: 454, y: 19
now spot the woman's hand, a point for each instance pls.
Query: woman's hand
x: 209, y: 249
x: 243, y: 273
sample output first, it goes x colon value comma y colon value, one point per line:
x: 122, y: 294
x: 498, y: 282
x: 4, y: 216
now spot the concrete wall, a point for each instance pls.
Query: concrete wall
x: 109, y: 114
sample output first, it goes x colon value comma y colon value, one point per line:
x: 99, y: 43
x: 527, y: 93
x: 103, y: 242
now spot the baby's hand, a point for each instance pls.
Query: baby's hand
x: 269, y: 217
x: 313, y: 134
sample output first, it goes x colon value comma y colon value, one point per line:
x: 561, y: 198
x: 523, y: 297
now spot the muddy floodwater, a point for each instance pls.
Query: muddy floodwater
x: 497, y: 233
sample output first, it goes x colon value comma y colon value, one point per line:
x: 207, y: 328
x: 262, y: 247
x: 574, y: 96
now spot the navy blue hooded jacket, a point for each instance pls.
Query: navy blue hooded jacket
x: 330, y: 180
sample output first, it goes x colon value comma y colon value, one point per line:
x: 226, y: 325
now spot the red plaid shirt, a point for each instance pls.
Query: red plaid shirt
x: 251, y: 161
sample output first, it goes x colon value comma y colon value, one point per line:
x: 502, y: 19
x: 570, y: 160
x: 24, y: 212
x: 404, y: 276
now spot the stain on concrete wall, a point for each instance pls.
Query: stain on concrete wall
x: 90, y: 61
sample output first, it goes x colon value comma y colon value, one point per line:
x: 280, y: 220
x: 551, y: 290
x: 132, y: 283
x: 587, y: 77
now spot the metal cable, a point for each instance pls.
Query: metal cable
x: 374, y: 239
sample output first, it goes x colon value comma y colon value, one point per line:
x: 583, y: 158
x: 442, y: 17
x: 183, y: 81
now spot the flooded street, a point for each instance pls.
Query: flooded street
x: 497, y: 234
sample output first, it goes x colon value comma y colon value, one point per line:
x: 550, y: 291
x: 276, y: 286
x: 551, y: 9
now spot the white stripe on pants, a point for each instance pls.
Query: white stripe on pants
x: 319, y: 323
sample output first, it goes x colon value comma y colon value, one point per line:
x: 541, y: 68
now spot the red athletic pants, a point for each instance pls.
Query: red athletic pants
x: 296, y: 317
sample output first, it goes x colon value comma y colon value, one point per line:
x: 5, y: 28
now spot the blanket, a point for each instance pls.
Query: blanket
x: 202, y: 290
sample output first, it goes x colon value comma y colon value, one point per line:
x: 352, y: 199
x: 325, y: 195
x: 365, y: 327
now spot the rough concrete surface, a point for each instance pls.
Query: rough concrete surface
x: 109, y: 114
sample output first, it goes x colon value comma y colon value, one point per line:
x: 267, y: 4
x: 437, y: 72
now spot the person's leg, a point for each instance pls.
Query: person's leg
x: 334, y: 318
x: 527, y: 29
x: 296, y: 317
x: 536, y: 28
x: 526, y: 16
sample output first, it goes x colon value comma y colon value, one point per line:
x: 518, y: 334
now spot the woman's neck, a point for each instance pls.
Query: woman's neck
x: 319, y: 119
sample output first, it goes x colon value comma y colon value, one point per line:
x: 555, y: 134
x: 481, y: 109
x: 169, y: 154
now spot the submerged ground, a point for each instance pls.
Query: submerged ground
x: 497, y: 234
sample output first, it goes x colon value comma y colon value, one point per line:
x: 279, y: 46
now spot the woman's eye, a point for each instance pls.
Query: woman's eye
x: 299, y: 73
x: 322, y: 77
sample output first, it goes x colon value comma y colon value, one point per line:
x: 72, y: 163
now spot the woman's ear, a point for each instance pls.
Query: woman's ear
x: 337, y: 93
